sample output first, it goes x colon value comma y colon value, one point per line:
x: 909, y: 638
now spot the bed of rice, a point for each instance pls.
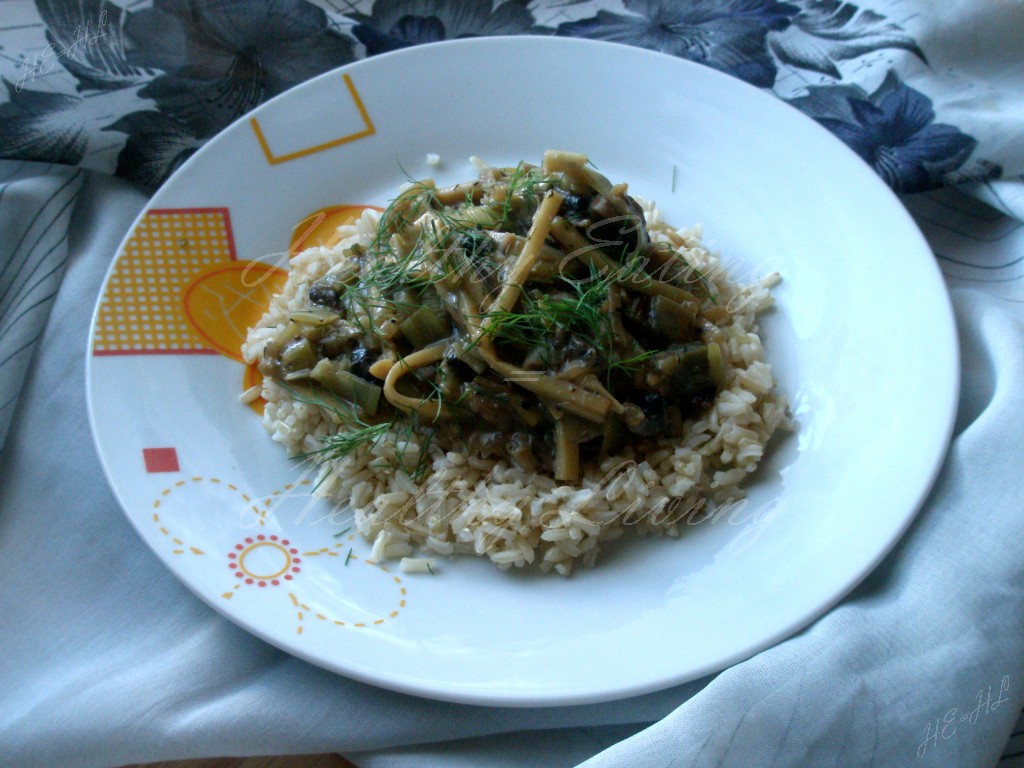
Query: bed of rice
x: 466, y: 504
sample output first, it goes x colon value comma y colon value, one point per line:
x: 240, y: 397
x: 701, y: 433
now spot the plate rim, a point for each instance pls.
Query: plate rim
x: 461, y: 693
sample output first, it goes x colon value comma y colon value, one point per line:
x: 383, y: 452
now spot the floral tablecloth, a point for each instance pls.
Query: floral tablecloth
x: 135, y: 91
x: 107, y: 659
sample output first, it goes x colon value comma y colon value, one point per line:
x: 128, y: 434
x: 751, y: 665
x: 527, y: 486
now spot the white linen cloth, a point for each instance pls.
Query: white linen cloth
x: 106, y: 659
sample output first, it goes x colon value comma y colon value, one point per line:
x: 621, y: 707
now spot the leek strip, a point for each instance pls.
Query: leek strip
x: 592, y: 255
x: 483, y: 216
x: 298, y: 356
x: 424, y: 326
x: 460, y: 193
x: 566, y: 395
x: 567, y: 453
x: 642, y: 283
x: 670, y: 319
x: 557, y: 160
x: 636, y: 280
x: 716, y: 363
x: 315, y: 317
x: 512, y: 288
x: 345, y: 384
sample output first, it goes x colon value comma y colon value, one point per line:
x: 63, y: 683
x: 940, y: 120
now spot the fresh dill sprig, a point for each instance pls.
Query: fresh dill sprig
x: 341, y: 444
x: 356, y: 433
x: 434, y: 256
x: 417, y: 468
x: 709, y: 287
x: 527, y: 183
x: 633, y: 364
x: 583, y: 314
x: 684, y: 270
x: 351, y: 440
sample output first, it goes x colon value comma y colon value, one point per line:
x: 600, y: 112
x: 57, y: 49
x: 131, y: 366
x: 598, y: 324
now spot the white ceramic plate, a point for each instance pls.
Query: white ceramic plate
x: 862, y: 341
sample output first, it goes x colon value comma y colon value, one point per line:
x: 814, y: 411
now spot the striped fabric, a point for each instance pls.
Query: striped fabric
x: 36, y: 205
x: 978, y: 247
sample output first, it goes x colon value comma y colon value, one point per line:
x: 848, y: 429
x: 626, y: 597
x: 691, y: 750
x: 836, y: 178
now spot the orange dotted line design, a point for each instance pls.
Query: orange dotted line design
x: 332, y: 550
x: 302, y: 610
x: 258, y: 508
x: 289, y: 487
x: 180, y: 550
x: 259, y: 511
x: 262, y: 515
x: 179, y: 544
x: 289, y: 555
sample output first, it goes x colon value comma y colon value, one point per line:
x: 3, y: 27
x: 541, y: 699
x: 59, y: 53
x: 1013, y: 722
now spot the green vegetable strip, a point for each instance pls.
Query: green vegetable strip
x: 521, y: 269
x: 424, y: 326
x: 567, y: 453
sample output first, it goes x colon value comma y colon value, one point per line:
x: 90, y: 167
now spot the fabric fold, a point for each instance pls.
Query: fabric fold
x: 858, y: 688
x: 36, y: 204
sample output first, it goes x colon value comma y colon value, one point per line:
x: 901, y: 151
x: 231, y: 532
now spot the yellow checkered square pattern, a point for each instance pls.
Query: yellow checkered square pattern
x: 142, y: 310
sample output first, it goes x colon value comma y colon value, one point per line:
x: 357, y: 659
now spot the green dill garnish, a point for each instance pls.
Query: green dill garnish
x: 391, y: 326
x: 582, y: 311
x: 583, y: 314
x: 342, y: 533
x: 432, y: 257
x: 350, y: 440
x: 348, y: 556
x: 633, y: 364
x: 429, y: 569
x: 343, y: 443
x: 677, y: 268
x: 708, y: 286
x: 528, y: 184
x: 417, y: 468
x: 355, y: 433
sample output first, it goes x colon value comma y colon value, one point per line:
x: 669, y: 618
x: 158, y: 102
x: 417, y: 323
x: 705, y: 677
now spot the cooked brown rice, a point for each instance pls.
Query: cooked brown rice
x: 470, y: 505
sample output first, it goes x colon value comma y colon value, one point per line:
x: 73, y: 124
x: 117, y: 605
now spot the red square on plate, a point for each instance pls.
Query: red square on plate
x: 160, y: 459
